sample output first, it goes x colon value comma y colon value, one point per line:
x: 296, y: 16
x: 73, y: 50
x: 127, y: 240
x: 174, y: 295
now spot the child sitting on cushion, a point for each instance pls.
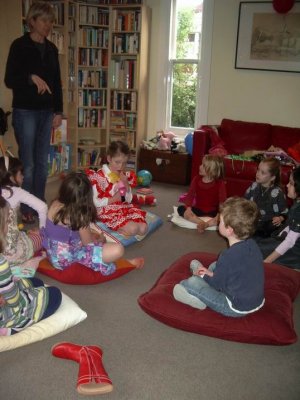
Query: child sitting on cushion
x: 207, y: 191
x: 68, y: 237
x: 234, y: 284
x: 20, y: 246
x: 23, y: 302
x: 269, y: 197
x: 284, y: 249
x: 113, y: 196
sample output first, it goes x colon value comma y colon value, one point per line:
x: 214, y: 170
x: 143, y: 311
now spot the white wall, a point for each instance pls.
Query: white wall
x: 250, y: 95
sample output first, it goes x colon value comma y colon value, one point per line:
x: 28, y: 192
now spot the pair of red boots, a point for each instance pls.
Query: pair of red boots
x: 92, y: 377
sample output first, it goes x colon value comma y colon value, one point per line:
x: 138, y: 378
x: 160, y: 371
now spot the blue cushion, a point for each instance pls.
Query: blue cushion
x: 153, y: 221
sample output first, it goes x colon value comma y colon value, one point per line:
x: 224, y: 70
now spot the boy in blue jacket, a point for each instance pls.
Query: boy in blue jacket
x: 234, y: 284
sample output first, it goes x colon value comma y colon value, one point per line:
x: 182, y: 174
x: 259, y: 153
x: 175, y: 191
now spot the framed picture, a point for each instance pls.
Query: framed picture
x: 267, y: 40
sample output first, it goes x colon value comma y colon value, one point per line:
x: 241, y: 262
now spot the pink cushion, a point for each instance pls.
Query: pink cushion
x: 273, y: 324
x: 78, y: 274
x: 285, y: 137
x: 240, y: 136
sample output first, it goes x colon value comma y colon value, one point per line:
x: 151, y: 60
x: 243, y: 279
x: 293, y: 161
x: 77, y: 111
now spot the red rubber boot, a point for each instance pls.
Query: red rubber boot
x: 92, y: 377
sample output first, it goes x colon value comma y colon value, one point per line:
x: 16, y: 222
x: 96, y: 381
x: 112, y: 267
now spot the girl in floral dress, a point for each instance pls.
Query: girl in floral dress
x: 67, y: 236
x: 113, y: 195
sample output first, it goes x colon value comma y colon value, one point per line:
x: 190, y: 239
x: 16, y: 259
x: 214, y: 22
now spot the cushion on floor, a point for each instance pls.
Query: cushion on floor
x: 273, y: 324
x: 184, y: 223
x: 67, y: 315
x: 153, y: 221
x: 78, y: 274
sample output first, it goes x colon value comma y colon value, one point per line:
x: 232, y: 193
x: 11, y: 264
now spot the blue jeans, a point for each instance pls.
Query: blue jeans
x: 33, y: 132
x: 214, y: 299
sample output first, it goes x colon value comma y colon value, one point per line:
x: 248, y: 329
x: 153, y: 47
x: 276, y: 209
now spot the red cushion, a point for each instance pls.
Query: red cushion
x: 240, y: 136
x: 78, y: 274
x: 273, y: 324
x: 285, y: 137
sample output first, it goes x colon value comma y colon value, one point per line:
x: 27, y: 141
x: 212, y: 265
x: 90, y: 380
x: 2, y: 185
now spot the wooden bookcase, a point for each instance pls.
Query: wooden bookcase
x: 103, y: 51
x: 111, y: 62
x: 128, y: 88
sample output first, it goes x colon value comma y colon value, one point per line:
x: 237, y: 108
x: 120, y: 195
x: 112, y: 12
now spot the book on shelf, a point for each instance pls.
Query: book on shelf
x: 60, y: 134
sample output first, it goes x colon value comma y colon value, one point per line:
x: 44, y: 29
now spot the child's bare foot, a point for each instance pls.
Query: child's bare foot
x: 138, y: 262
x: 201, y: 226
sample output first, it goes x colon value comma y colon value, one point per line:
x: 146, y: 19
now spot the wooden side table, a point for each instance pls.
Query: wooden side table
x: 166, y: 166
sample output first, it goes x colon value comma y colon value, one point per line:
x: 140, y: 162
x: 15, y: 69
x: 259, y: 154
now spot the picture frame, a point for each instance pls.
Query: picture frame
x: 267, y: 40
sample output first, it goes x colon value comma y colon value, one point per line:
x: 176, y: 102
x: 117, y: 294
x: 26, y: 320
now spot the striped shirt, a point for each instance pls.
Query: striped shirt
x: 24, y: 304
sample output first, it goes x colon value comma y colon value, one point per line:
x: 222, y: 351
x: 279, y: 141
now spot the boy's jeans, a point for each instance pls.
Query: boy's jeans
x: 33, y: 132
x: 214, y: 299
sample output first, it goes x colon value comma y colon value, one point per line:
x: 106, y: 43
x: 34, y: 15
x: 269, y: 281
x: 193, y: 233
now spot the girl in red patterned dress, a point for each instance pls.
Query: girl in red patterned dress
x: 113, y: 196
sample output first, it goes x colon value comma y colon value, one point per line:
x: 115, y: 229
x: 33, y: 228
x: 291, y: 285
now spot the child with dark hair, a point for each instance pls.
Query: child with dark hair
x: 206, y: 193
x: 23, y: 302
x: 113, y: 195
x: 284, y: 249
x: 68, y: 237
x: 20, y: 246
x: 269, y: 197
x: 234, y: 284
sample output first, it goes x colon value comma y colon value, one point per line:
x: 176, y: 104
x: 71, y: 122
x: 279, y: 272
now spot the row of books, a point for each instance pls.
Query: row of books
x: 93, y: 15
x: 92, y: 57
x: 59, y: 12
x: 129, y: 21
x: 88, y: 158
x: 91, y: 118
x: 108, y: 2
x: 90, y: 98
x: 128, y: 137
x: 92, y: 79
x: 123, y: 74
x: 59, y: 158
x: 57, y: 38
x: 122, y: 120
x: 90, y: 36
x: 123, y: 101
x: 125, y: 43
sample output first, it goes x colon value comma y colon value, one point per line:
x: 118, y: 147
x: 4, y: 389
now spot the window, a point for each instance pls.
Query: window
x: 184, y: 64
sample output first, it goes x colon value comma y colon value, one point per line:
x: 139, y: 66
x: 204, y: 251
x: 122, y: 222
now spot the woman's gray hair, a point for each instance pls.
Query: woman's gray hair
x: 40, y: 9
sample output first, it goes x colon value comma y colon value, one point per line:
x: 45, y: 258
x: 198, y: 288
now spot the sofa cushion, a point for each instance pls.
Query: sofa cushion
x: 240, y: 136
x: 285, y: 137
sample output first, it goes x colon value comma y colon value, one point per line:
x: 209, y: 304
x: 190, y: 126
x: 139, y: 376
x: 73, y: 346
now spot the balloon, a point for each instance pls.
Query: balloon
x: 188, y: 140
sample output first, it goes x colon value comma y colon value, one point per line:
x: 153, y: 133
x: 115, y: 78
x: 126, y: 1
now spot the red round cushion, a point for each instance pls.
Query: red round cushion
x: 78, y: 274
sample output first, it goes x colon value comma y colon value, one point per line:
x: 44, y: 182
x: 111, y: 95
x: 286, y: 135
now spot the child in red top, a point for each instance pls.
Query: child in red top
x: 206, y: 193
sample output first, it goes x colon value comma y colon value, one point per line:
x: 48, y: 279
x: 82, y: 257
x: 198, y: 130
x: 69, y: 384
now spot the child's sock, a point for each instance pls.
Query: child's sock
x: 195, y: 265
x: 181, y: 294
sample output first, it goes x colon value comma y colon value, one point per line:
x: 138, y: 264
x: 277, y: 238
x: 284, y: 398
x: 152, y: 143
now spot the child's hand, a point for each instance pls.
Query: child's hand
x: 277, y: 220
x: 204, y: 271
x: 123, y: 177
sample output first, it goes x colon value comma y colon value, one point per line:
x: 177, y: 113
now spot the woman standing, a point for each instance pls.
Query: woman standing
x: 33, y: 74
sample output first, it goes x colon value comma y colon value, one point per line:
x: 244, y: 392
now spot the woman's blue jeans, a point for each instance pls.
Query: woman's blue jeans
x: 214, y: 299
x: 33, y: 132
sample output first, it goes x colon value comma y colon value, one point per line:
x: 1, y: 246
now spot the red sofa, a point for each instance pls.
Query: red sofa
x: 236, y: 137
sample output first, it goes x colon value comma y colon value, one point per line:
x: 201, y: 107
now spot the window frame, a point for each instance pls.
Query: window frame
x: 203, y: 66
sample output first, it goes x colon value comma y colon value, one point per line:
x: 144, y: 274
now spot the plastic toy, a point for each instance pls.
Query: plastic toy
x: 144, y: 177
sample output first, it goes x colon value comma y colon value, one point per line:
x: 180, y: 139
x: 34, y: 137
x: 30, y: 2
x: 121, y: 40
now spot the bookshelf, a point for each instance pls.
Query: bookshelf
x: 128, y: 86
x: 103, y: 49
